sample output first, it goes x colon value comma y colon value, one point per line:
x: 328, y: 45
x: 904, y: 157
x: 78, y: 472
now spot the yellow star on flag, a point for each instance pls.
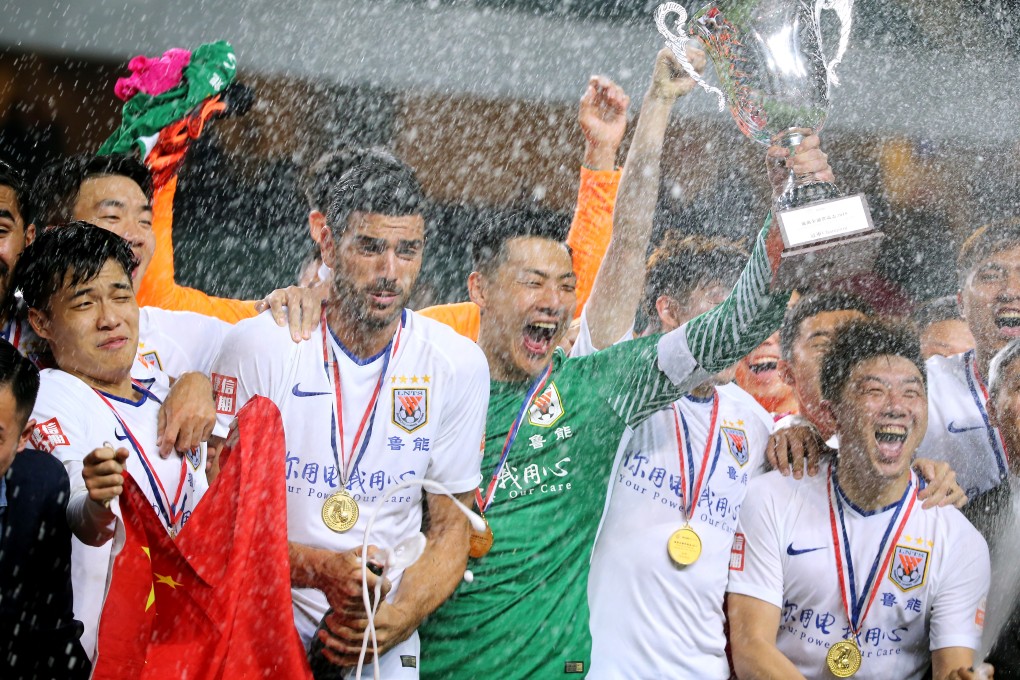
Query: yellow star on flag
x: 151, y: 599
x: 167, y: 580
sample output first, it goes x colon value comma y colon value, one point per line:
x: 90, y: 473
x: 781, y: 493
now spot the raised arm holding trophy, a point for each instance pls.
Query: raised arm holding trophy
x: 775, y: 81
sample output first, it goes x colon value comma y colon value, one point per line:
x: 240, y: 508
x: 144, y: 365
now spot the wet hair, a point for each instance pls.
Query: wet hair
x: 21, y: 376
x: 57, y: 187
x: 321, y: 177
x: 77, y: 251
x: 12, y: 177
x: 984, y: 242
x: 813, y: 305
x: 997, y: 369
x: 380, y: 184
x: 681, y: 263
x: 858, y: 341
x: 488, y: 244
x: 936, y: 311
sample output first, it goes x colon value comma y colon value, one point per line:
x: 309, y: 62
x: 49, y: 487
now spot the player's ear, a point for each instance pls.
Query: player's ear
x: 666, y: 310
x: 477, y: 288
x: 785, y: 372
x: 316, y: 223
x: 26, y: 434
x: 327, y: 244
x: 29, y: 234
x: 39, y: 322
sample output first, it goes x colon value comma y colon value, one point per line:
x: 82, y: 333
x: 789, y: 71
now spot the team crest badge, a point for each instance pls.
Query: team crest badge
x: 410, y: 407
x: 909, y: 567
x: 151, y: 359
x: 547, y: 407
x: 736, y: 440
x: 194, y: 457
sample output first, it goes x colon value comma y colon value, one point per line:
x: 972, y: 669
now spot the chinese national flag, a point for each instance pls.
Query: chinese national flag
x: 215, y: 603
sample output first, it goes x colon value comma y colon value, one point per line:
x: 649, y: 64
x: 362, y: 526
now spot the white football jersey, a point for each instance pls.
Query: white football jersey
x: 428, y: 424
x: 649, y: 617
x: 959, y: 431
x: 930, y: 596
x: 71, y: 421
x: 179, y: 342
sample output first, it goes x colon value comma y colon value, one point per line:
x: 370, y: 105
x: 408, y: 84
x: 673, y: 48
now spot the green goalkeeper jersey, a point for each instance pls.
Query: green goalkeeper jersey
x: 525, y: 614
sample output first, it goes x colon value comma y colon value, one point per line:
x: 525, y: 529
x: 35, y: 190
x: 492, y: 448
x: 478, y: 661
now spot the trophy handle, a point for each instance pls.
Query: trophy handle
x: 844, y: 10
x: 677, y: 43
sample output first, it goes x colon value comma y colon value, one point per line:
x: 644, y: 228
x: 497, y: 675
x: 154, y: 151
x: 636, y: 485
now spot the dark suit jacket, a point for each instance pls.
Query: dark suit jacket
x: 39, y: 637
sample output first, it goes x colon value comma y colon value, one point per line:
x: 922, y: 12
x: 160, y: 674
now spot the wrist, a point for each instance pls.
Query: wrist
x: 599, y: 157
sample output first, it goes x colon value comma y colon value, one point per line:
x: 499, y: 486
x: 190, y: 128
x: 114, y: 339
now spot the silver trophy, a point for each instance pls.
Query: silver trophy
x: 775, y: 80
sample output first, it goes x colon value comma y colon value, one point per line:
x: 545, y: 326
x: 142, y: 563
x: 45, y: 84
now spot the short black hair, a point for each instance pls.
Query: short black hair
x: 813, y: 305
x: 79, y: 250
x: 321, y: 177
x: 858, y: 341
x: 488, y: 244
x: 936, y: 311
x: 21, y: 376
x: 682, y: 262
x: 58, y: 184
x: 379, y: 183
x: 15, y: 179
x: 984, y: 242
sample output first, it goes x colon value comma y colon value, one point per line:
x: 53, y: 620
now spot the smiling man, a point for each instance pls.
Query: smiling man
x: 845, y: 572
x: 959, y: 429
x: 378, y: 395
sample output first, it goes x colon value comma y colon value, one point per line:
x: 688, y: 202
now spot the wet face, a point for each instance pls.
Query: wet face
x: 527, y: 304
x: 990, y: 301
x: 13, y: 235
x: 758, y: 375
x: 1004, y: 409
x: 375, y: 263
x: 881, y: 417
x: 803, y: 371
x: 92, y: 328
x: 946, y: 338
x: 14, y: 431
x: 116, y: 203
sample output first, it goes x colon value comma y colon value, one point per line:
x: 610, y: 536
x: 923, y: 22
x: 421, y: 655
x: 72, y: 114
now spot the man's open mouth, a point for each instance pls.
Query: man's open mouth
x: 538, y: 336
x: 1008, y: 318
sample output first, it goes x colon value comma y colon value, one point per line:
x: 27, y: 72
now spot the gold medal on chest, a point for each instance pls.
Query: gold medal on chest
x: 684, y: 546
x: 844, y: 659
x: 481, y: 541
x: 340, y: 512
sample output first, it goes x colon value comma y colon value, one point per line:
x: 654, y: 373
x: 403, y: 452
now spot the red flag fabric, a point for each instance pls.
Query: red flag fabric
x: 216, y: 602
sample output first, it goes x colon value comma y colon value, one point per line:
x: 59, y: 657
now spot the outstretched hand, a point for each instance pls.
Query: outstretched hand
x: 602, y: 115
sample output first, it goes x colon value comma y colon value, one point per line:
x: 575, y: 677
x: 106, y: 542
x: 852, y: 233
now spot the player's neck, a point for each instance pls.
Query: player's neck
x: 361, y: 339
x: 121, y: 387
x: 984, y: 360
x: 865, y: 489
x: 703, y: 391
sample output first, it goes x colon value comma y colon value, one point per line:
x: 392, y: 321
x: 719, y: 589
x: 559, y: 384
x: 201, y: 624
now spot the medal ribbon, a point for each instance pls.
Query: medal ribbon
x: 994, y: 436
x: 857, y: 609
x: 329, y: 363
x: 174, y: 514
x: 536, y: 389
x: 684, y: 442
x: 15, y: 338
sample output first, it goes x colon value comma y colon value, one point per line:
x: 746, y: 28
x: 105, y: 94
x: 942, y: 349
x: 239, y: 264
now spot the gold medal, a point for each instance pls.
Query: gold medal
x: 481, y: 541
x: 340, y: 512
x: 843, y: 659
x: 684, y: 546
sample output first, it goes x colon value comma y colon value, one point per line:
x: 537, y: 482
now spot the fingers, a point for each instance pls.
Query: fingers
x: 171, y: 429
x: 276, y: 303
x: 813, y: 450
x: 697, y: 58
x: 796, y: 451
x: 103, y: 473
x: 778, y: 454
x: 161, y: 429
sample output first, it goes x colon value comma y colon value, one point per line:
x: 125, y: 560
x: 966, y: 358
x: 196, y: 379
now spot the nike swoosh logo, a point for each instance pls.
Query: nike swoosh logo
x: 960, y: 430
x: 790, y: 550
x: 298, y: 393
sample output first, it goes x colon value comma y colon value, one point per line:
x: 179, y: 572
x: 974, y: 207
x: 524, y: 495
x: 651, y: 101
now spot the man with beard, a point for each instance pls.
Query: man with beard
x: 795, y: 608
x: 377, y: 396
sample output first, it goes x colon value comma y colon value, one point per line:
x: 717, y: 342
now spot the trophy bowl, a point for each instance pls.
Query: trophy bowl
x: 775, y: 80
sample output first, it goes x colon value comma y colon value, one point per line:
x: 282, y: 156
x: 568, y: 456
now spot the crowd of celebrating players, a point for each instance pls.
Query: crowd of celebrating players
x: 627, y: 459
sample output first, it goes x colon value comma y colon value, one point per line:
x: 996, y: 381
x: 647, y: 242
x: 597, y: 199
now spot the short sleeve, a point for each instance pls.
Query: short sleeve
x: 250, y: 362
x: 958, y: 608
x: 456, y: 454
x: 756, y: 566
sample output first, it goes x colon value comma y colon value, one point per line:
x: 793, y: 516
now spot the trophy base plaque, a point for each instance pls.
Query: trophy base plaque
x: 825, y: 241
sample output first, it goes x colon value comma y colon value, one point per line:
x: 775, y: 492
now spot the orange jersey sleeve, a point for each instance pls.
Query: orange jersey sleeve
x: 159, y: 289
x: 592, y: 227
x: 463, y: 317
